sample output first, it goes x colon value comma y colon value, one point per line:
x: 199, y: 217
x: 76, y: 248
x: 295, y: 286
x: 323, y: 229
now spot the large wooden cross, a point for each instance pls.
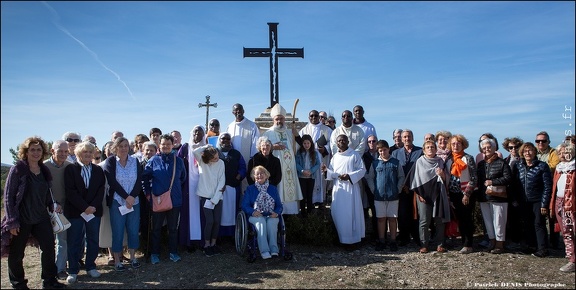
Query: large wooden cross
x: 273, y: 52
x: 207, y: 105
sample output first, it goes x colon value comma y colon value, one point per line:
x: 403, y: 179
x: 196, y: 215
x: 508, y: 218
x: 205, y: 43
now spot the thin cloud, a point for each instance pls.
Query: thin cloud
x: 55, y: 21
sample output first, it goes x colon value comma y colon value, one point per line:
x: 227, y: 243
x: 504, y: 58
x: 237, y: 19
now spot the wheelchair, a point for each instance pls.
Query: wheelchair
x: 246, y: 241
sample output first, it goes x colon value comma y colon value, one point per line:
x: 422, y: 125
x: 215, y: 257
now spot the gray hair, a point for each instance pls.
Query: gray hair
x: 84, y: 146
x: 150, y: 143
x: 397, y: 131
x: 488, y: 140
x: 568, y: 148
x: 57, y: 144
x: 262, y: 139
x: 68, y: 134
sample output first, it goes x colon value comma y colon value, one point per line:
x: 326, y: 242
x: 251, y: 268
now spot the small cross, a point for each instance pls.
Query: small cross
x: 207, y: 105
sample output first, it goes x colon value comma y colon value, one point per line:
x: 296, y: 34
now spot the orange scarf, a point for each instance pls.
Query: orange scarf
x: 458, y: 165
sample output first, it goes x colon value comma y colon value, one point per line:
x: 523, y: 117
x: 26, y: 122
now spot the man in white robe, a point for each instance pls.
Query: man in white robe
x: 283, y: 142
x: 355, y: 134
x: 318, y: 131
x: 244, y: 134
x: 346, y: 170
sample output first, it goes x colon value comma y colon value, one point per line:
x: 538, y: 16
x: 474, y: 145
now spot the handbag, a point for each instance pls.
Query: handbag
x: 452, y: 230
x: 497, y: 191
x: 163, y: 202
x: 59, y: 222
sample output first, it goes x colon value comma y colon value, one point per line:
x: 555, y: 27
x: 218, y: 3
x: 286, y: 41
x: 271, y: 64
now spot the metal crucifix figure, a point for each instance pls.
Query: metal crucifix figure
x: 207, y: 105
x: 273, y: 52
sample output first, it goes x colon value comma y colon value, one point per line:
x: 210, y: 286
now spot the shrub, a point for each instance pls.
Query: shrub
x: 314, y: 230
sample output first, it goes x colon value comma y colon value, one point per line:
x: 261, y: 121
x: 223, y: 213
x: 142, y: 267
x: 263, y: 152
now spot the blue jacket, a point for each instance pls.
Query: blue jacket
x: 300, y: 159
x: 158, y: 172
x: 250, y: 198
x: 534, y: 182
x: 387, y: 179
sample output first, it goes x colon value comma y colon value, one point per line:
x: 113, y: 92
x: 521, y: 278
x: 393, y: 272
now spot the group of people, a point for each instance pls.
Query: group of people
x: 406, y: 190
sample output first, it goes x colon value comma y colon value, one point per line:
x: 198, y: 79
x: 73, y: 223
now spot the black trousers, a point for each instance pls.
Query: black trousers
x: 465, y: 215
x: 42, y: 231
x: 307, y: 187
x: 407, y: 225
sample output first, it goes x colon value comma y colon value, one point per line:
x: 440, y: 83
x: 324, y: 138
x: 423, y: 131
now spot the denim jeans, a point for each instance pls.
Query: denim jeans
x: 129, y: 222
x: 267, y: 233
x: 76, y: 242
x: 172, y: 216
x: 61, y: 251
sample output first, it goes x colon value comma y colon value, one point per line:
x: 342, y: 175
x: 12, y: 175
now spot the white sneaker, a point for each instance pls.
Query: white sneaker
x: 266, y: 255
x: 570, y: 267
x: 72, y: 278
x: 94, y: 273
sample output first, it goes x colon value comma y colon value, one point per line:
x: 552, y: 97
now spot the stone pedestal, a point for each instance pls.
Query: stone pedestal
x: 264, y: 121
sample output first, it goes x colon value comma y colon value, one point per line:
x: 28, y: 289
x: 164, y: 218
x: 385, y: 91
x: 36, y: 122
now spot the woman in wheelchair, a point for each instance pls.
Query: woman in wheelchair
x: 262, y: 204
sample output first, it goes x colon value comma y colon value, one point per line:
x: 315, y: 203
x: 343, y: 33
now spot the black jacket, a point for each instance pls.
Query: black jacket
x: 115, y: 187
x: 534, y: 183
x: 499, y: 172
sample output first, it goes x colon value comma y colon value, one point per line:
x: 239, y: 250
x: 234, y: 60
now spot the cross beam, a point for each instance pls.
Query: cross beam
x: 207, y: 105
x: 273, y: 52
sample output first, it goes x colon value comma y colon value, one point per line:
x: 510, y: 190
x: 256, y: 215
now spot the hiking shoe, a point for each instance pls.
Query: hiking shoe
x: 393, y: 247
x: 466, y: 250
x: 209, y: 251
x: 266, y: 255
x: 423, y: 250
x: 72, y: 278
x: 135, y: 264
x: 441, y: 249
x: 540, y: 254
x: 119, y: 268
x: 62, y: 275
x: 274, y: 254
x: 568, y: 267
x: 174, y: 257
x: 154, y: 259
x: 94, y: 273
x: 497, y: 251
x: 52, y: 284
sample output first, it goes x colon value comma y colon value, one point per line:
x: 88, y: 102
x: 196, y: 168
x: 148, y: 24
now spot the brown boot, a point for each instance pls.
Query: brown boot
x: 498, y: 248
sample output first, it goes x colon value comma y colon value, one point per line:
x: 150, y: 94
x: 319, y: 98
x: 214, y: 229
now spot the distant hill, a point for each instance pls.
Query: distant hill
x: 6, y: 165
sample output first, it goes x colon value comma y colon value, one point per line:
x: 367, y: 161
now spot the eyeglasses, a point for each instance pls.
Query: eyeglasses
x: 513, y: 147
x: 323, y: 117
x: 313, y: 115
x: 72, y: 140
x: 541, y: 141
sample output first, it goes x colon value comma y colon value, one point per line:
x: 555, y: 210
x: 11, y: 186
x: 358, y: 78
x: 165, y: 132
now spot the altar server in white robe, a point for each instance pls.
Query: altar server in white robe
x: 283, y: 146
x: 346, y: 170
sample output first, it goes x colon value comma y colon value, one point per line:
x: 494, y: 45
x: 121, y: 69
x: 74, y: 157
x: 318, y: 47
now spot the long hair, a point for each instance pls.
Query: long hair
x: 311, y: 151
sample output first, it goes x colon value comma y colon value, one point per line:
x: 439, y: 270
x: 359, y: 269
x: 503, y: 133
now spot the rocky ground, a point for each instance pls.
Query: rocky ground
x: 329, y: 267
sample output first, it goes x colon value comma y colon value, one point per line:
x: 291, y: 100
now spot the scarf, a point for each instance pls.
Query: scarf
x: 458, y: 165
x: 565, y: 167
x: 443, y: 153
x: 427, y: 184
x: 491, y: 159
x: 264, y: 202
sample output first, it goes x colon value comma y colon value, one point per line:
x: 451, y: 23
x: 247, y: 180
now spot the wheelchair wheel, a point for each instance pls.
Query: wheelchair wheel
x: 241, y: 233
x: 282, y: 240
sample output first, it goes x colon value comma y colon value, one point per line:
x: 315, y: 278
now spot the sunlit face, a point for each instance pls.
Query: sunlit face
x: 513, y: 149
x: 488, y: 150
x: 372, y: 143
x: 307, y: 144
x: 86, y: 156
x: 214, y: 126
x: 117, y: 135
x: 314, y: 117
x: 265, y: 148
x: 442, y: 142
x: 260, y: 176
x: 215, y: 158
x: 342, y: 143
x: 177, y: 138
x: 429, y: 137
x: 384, y: 152
x: 238, y: 112
x: 456, y: 145
x: 60, y: 153
x: 407, y: 139
x: 166, y: 146
x: 123, y: 149
x: 72, y: 141
x: 149, y: 151
x: 541, y: 142
x: 225, y: 141
x: 430, y: 150
x: 347, y: 119
x: 198, y: 135
x: 279, y: 121
x: 155, y: 137
x: 35, y: 153
x: 529, y: 154
x: 398, y: 139
x: 358, y: 112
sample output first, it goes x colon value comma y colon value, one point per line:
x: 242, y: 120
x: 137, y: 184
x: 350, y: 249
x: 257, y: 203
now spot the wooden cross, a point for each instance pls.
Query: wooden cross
x: 207, y: 105
x: 273, y: 52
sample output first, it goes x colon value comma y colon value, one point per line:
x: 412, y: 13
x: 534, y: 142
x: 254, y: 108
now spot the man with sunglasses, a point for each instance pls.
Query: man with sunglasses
x: 550, y: 156
x: 72, y: 139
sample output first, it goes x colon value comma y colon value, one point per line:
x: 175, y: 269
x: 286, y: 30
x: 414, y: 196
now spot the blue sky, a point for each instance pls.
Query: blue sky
x: 467, y: 67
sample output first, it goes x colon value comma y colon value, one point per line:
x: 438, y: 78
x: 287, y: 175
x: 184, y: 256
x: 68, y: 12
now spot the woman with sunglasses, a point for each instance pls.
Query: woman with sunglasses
x: 513, y: 225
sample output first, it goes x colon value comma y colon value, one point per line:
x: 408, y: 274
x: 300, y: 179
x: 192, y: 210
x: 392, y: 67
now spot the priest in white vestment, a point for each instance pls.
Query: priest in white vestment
x: 283, y: 146
x: 346, y: 170
x: 245, y: 134
x: 355, y: 134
